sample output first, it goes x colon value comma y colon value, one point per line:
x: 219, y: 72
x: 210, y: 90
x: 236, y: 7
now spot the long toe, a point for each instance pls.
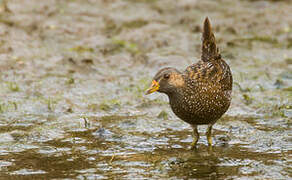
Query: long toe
x: 196, y: 136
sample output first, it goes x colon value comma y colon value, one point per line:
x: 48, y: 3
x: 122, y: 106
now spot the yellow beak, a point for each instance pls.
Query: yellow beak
x: 154, y: 87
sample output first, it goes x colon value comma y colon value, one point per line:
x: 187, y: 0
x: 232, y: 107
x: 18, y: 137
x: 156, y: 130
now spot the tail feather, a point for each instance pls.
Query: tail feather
x: 210, y: 51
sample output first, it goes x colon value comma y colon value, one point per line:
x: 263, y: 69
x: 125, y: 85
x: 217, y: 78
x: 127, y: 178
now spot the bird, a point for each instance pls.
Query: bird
x: 201, y: 94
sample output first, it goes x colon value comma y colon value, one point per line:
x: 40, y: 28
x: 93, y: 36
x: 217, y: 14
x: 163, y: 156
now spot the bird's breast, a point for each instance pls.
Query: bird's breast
x: 200, y: 107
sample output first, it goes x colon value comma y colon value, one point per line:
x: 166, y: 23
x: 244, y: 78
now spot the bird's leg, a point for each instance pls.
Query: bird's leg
x: 209, y: 134
x: 196, y: 136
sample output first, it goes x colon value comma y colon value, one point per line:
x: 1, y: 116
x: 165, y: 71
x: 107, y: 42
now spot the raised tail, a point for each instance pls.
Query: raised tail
x: 210, y: 51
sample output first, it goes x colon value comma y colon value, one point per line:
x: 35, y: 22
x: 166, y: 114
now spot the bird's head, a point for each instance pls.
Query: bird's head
x: 167, y: 80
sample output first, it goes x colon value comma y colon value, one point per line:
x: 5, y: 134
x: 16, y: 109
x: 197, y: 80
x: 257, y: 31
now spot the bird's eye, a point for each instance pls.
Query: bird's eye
x: 166, y: 76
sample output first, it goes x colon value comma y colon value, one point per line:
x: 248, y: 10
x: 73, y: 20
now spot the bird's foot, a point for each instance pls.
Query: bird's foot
x: 194, y: 144
x: 196, y: 136
x: 209, y: 138
x: 195, y: 141
x: 209, y: 135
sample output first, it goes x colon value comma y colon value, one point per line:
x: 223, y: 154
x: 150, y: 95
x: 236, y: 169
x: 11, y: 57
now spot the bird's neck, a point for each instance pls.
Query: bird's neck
x: 175, y: 95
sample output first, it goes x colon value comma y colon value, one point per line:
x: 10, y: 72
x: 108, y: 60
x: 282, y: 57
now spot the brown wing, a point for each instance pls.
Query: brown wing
x: 214, y: 74
x: 211, y: 70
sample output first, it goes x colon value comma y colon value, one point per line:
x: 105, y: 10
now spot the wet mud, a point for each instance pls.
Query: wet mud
x: 73, y: 75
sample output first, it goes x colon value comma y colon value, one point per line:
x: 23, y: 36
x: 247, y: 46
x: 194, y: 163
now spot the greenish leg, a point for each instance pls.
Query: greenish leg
x: 196, y: 136
x: 209, y: 134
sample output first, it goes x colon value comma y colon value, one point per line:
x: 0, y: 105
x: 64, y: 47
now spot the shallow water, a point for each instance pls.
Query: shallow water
x: 73, y: 76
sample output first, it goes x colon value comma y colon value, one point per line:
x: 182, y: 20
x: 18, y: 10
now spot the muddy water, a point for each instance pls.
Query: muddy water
x: 73, y: 74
